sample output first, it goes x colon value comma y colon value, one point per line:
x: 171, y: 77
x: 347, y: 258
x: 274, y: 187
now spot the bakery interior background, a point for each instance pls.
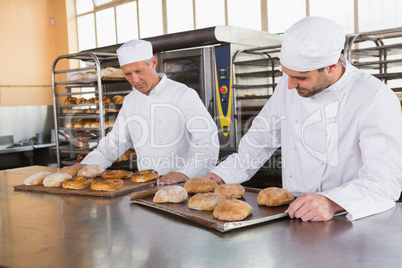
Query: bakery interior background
x: 35, y: 32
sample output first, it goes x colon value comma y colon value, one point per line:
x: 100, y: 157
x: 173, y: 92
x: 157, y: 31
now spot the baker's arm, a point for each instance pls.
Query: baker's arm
x: 111, y: 147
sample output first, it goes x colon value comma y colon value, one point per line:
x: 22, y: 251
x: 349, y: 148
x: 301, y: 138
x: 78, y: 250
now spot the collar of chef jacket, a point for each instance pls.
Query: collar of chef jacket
x: 158, y: 88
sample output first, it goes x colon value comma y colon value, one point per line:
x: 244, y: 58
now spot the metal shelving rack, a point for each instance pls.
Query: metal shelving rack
x: 378, y: 52
x: 95, y: 62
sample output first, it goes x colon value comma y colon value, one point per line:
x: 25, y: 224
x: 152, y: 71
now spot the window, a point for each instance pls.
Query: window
x: 151, y: 22
x: 245, y: 14
x: 86, y: 32
x: 207, y: 16
x: 341, y: 11
x: 179, y: 15
x: 281, y: 17
x: 126, y: 20
x: 376, y: 15
x: 84, y: 6
x: 105, y: 27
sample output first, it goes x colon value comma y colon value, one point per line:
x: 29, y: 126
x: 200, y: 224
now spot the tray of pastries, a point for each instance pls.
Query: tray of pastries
x: 222, y: 207
x: 87, y: 180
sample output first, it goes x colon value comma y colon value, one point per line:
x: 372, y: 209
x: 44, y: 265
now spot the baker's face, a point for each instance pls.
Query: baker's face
x: 308, y: 83
x: 141, y: 76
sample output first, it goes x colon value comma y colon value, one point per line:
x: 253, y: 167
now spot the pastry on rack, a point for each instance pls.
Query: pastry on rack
x: 171, y: 194
x: 118, y: 99
x: 200, y: 185
x: 70, y: 100
x: 90, y: 75
x: 76, y: 77
x: 232, y: 210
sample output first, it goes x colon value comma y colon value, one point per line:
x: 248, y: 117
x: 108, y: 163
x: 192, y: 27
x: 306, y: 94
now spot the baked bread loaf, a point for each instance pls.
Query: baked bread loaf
x: 91, y: 171
x: 77, y: 182
x: 95, y: 125
x: 205, y: 201
x: 56, y: 179
x: 106, y: 100
x: 232, y: 210
x: 90, y: 75
x: 37, y: 178
x: 71, y: 170
x: 274, y: 196
x: 78, y: 125
x: 70, y: 100
x: 200, y: 185
x: 144, y: 175
x: 107, y: 185
x: 75, y: 77
x: 230, y: 190
x: 171, y: 194
x: 117, y: 99
x: 117, y: 174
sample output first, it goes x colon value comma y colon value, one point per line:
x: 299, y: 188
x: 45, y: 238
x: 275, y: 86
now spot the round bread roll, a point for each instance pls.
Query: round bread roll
x: 107, y: 185
x: 232, y: 210
x: 91, y: 171
x: 117, y: 174
x: 37, y: 178
x: 95, y: 125
x: 78, y: 125
x: 70, y: 125
x: 81, y: 100
x: 200, y: 185
x: 117, y: 99
x: 144, y: 175
x: 171, y: 194
x: 106, y: 100
x: 230, y: 190
x: 71, y: 170
x: 205, y: 201
x: 56, y: 179
x: 274, y: 196
x: 87, y: 125
x: 77, y: 182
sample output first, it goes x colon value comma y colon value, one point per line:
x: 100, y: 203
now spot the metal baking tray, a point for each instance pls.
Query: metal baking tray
x: 260, y: 213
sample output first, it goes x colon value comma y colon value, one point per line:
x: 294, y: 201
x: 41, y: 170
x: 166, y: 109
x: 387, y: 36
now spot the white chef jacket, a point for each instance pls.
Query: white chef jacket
x: 170, y: 130
x: 344, y: 143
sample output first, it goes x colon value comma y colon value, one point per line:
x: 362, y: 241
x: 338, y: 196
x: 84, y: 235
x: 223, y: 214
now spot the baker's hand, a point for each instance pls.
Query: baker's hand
x: 313, y: 207
x: 171, y: 178
x: 214, y: 177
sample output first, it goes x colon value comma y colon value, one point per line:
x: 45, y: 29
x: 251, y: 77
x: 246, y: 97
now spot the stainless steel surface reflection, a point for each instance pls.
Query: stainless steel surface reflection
x: 51, y: 230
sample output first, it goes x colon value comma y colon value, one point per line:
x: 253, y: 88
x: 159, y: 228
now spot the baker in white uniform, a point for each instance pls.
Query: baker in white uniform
x: 339, y: 129
x: 165, y: 121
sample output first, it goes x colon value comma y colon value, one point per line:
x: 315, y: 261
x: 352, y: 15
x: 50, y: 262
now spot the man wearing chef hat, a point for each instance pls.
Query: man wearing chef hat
x: 165, y: 121
x: 338, y: 127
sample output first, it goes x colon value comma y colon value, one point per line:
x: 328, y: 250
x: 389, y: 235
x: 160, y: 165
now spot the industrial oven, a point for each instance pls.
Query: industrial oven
x: 233, y: 70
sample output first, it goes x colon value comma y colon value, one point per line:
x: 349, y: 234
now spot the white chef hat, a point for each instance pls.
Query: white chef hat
x: 133, y: 51
x: 312, y: 43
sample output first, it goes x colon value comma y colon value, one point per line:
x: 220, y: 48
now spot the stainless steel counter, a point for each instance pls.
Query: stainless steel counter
x: 50, y: 230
